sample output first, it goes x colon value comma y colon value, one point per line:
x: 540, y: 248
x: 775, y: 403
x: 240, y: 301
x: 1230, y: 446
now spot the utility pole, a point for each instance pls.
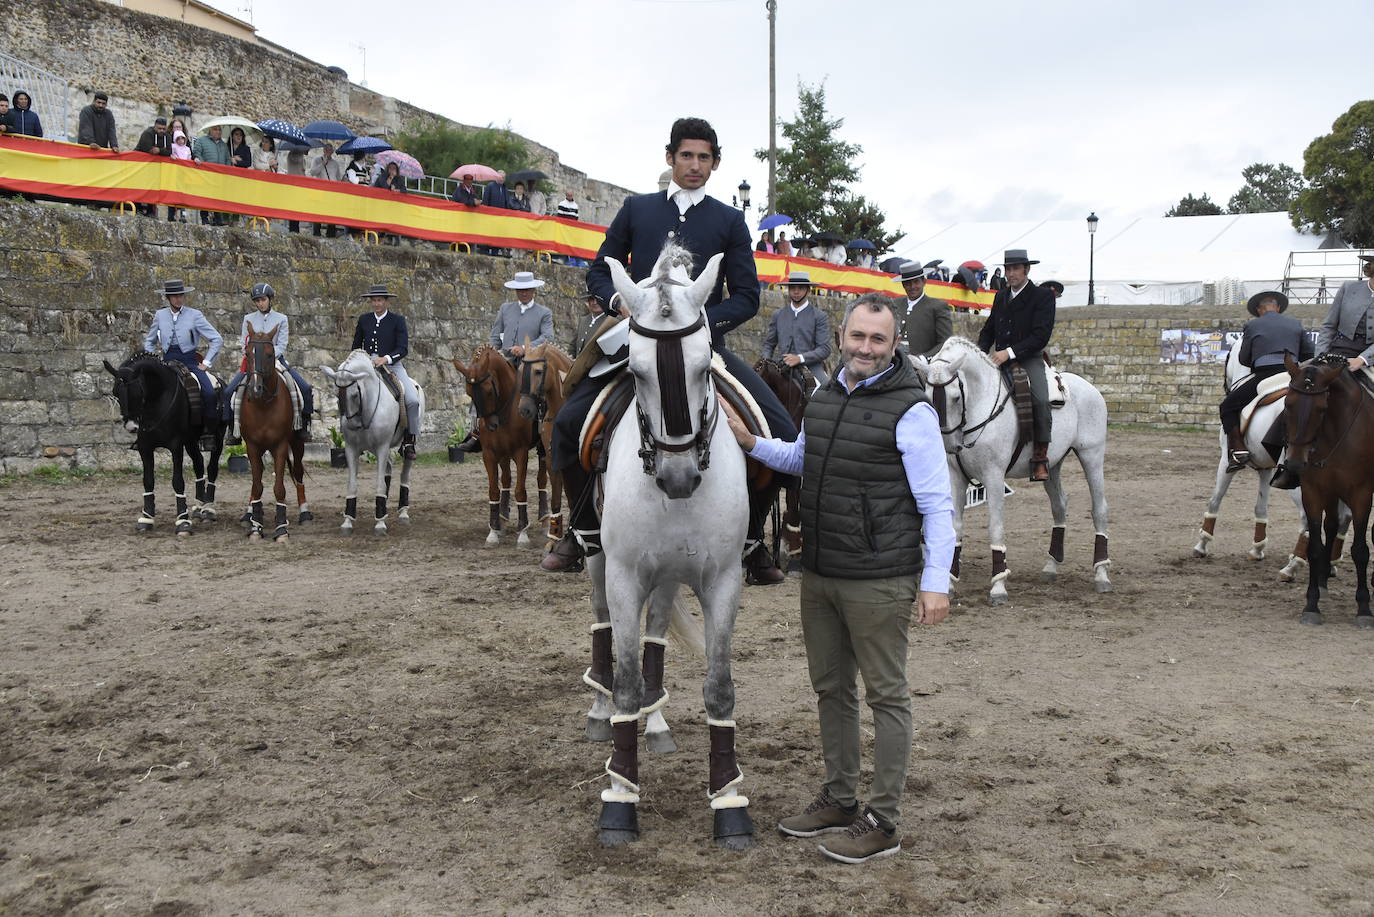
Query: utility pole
x: 772, y: 106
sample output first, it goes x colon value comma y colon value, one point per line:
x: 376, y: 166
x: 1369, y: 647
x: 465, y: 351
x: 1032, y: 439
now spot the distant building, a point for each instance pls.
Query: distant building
x: 196, y: 13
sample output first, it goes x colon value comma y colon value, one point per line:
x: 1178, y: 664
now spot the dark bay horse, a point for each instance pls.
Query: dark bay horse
x: 506, y: 437
x: 789, y: 383
x: 154, y: 405
x: 542, y: 370
x: 267, y: 420
x: 1331, y: 444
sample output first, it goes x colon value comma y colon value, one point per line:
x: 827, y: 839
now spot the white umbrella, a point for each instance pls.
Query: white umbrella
x: 228, y: 123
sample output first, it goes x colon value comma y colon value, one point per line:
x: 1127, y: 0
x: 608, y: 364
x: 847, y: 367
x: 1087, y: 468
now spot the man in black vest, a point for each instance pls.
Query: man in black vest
x: 1019, y: 328
x: 705, y: 227
x: 875, y: 487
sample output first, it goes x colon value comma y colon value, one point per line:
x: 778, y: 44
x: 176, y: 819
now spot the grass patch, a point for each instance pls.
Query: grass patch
x: 1151, y: 428
x: 56, y: 474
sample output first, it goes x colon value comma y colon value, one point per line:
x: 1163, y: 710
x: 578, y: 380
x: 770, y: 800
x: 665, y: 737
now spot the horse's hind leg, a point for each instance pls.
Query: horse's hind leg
x: 149, y: 513
x: 1207, y: 532
x: 280, y: 523
x: 1059, y: 510
x: 198, y: 469
x: 494, y: 469
x: 1317, y: 556
x: 1298, y: 559
x: 1359, y: 553
x: 733, y: 828
x: 505, y: 490
x: 600, y: 676
x: 996, y: 495
x: 1092, y: 461
x: 1261, y: 540
x: 658, y: 737
x: 403, y: 493
x: 542, y: 481
x: 179, y: 491
x: 207, y: 509
x: 297, y: 466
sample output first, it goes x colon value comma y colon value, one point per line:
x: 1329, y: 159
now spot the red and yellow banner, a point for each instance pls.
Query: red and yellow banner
x: 77, y: 172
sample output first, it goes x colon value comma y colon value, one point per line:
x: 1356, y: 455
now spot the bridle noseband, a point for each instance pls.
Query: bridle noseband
x: 673, y: 400
x: 1306, y: 411
x: 479, y: 398
x: 541, y: 404
x: 255, y: 369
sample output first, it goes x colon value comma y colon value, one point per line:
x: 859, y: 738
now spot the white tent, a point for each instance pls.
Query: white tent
x: 1149, y: 260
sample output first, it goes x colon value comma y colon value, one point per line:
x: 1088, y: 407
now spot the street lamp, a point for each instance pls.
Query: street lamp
x: 744, y: 194
x: 1092, y: 232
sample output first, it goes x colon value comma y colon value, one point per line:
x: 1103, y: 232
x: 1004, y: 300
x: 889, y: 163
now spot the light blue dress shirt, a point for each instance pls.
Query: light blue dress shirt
x: 927, y: 474
x: 184, y: 331
x: 266, y: 323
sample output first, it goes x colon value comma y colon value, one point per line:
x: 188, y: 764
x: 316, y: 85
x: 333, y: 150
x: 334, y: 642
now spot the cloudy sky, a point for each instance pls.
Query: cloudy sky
x: 987, y: 109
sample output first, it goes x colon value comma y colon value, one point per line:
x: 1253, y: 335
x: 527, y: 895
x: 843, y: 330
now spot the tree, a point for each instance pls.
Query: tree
x: 441, y: 148
x: 815, y: 170
x: 1267, y: 188
x: 1339, y: 169
x: 1190, y: 206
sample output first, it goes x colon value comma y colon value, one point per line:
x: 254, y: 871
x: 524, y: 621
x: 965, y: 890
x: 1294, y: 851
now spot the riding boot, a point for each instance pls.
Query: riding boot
x: 1285, y: 478
x: 303, y: 434
x: 1237, y: 454
x: 408, y: 446
x: 471, y: 444
x: 1040, y: 463
x: 583, y: 537
x: 760, y: 570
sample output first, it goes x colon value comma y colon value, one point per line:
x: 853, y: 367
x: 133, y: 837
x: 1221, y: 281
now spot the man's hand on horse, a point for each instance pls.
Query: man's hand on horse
x: 378, y: 361
x: 1357, y: 364
x: 517, y: 351
x: 746, y: 439
x: 1000, y: 356
x: 932, y: 607
x: 791, y: 359
x: 204, y: 366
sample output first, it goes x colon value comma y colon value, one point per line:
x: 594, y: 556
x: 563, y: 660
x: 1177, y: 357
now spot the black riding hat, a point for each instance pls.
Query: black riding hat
x: 262, y: 289
x: 378, y: 290
x: 175, y: 288
x: 1254, y: 303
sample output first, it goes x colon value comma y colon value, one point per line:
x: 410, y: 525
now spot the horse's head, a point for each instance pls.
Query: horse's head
x: 534, y: 374
x: 1308, y: 402
x: 261, y: 357
x: 489, y: 375
x: 131, y: 388
x: 670, y: 357
x: 943, y: 379
x: 352, y: 373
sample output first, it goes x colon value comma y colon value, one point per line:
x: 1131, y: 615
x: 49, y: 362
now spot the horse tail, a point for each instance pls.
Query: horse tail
x: 297, y: 465
x: 684, y: 627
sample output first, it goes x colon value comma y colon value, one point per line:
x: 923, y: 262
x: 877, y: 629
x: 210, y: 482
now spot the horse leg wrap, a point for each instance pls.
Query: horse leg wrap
x: 725, y: 772
x: 1100, y: 550
x: 381, y: 508
x: 623, y: 764
x: 351, y: 508
x: 210, y: 493
x: 600, y: 676
x: 505, y: 504
x: 1261, y: 533
x: 555, y: 526
x: 792, y: 538
x: 654, y: 694
x: 1057, y: 544
x: 954, y: 564
x: 255, y: 516
x: 403, y: 498
x: 1300, y: 549
x: 1209, y: 524
x: 494, y: 519
x: 281, y: 522
x: 522, y: 517
x: 590, y: 539
x: 999, y: 563
x: 183, y: 513
x: 149, y: 507
x: 543, y: 504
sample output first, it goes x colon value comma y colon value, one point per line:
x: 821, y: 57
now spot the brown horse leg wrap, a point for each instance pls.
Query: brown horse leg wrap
x: 1261, y: 531
x: 999, y: 562
x: 556, y: 526
x: 1209, y: 524
x: 1057, y: 544
x: 653, y: 676
x: 603, y: 665
x: 1300, y: 549
x: 624, y: 761
x: 724, y: 769
x: 1099, y: 549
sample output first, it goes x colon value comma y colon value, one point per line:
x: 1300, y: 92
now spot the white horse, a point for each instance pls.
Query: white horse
x: 1263, y: 464
x: 675, y: 512
x: 370, y: 420
x: 978, y: 420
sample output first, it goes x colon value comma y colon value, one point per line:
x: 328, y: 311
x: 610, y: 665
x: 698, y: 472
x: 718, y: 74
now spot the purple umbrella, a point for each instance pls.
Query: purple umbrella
x: 408, y: 165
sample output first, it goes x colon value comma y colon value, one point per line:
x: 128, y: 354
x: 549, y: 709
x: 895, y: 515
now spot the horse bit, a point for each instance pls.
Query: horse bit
x: 670, y: 353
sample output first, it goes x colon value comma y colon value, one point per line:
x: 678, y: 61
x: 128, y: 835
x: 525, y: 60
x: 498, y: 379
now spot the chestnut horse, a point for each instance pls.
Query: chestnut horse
x: 542, y: 371
x: 506, y: 437
x: 788, y: 383
x: 1331, y: 444
x: 267, y: 421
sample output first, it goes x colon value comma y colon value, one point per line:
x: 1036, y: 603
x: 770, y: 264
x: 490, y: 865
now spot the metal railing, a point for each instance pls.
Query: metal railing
x: 47, y: 90
x: 1315, y: 276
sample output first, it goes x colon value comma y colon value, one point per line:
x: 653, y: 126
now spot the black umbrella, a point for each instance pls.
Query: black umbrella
x: 892, y: 265
x: 528, y: 176
x: 827, y: 236
x: 930, y: 264
x: 969, y: 277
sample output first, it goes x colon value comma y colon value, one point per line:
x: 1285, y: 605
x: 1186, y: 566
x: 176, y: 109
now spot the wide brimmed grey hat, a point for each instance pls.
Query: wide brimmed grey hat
x: 1253, y: 305
x: 175, y: 288
x: 377, y: 290
x: 524, y: 280
x: 797, y: 279
x: 910, y: 270
x: 1016, y: 256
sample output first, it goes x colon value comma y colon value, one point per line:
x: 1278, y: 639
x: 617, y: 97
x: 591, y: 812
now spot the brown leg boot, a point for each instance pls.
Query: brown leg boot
x: 1040, y: 463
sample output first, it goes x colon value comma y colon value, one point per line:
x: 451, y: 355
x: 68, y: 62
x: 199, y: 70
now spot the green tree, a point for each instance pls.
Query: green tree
x: 815, y: 169
x: 1190, y: 206
x: 1339, y: 169
x: 1267, y: 188
x: 441, y: 148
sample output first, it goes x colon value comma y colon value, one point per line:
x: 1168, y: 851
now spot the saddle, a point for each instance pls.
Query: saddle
x: 617, y: 397
x: 393, y: 385
x: 1270, y: 390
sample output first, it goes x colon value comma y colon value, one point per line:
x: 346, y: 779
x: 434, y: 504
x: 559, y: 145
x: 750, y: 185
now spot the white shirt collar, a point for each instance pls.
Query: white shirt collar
x: 911, y: 303
x: 382, y: 316
x: 525, y: 306
x: 798, y: 307
x: 1016, y: 293
x: 684, y: 198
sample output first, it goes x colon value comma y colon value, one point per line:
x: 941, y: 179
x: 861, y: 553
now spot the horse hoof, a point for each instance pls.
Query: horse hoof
x: 404, y: 519
x: 734, y: 829
x: 1048, y: 577
x: 345, y: 530
x: 660, y: 743
x: 209, y: 515
x: 282, y: 539
x: 598, y: 730
x: 997, y: 600
x: 255, y: 536
x: 1313, y: 618
x: 1199, y: 553
x: 1364, y: 621
x: 618, y: 824
x: 522, y: 540
x: 143, y: 527
x: 379, y: 530
x: 610, y: 838
x: 492, y: 539
x: 183, y: 533
x: 1103, y: 587
x: 305, y: 517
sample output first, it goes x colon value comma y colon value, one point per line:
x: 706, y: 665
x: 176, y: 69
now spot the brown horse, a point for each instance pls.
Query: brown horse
x: 1330, y: 422
x: 542, y: 370
x: 505, y: 435
x: 789, y: 383
x: 267, y: 421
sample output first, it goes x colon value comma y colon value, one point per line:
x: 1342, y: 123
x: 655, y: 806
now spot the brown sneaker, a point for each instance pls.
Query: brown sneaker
x: 822, y: 816
x: 864, y: 840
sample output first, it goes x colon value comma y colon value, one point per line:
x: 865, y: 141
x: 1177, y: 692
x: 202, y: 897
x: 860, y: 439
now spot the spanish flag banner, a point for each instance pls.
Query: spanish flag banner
x: 67, y: 170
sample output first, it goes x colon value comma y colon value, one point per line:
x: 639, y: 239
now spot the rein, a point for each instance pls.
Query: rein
x: 527, y: 385
x: 479, y: 399
x: 255, y: 370
x: 938, y: 389
x: 1312, y: 393
x: 677, y: 418
x: 343, y: 403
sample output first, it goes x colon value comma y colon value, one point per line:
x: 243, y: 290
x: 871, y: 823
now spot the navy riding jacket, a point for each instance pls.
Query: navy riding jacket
x: 389, y: 339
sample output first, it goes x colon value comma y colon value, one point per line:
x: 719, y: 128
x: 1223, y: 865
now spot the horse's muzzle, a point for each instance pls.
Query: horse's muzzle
x: 527, y: 409
x: 678, y: 484
x: 131, y: 426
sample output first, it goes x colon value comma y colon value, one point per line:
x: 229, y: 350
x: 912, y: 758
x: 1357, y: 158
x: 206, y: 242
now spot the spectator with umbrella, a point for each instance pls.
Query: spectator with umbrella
x: 390, y: 179
x: 783, y: 247
x: 265, y: 156
x: 831, y: 245
x: 538, y: 203
x: 862, y: 252
x: 466, y: 192
x: 329, y: 169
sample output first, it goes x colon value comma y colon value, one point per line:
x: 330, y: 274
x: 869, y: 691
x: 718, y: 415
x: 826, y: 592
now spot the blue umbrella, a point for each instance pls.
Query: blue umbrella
x: 327, y: 130
x: 774, y: 220
x: 282, y: 130
x: 862, y: 243
x: 291, y: 146
x: 366, y: 145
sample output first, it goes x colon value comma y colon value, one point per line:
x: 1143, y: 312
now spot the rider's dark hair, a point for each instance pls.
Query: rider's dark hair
x: 692, y: 129
x: 873, y: 302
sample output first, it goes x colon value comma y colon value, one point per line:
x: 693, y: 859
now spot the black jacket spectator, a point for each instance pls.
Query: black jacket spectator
x: 496, y: 195
x: 97, y: 127
x: 150, y: 141
x: 21, y: 119
x: 463, y: 194
x: 395, y: 182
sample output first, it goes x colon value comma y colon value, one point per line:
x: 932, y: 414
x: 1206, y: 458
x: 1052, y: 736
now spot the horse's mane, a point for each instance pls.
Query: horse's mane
x: 1329, y: 359
x: 970, y: 348
x: 672, y: 256
x: 142, y: 356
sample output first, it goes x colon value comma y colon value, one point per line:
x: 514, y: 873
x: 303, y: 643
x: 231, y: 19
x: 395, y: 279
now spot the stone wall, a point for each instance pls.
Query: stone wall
x: 147, y: 64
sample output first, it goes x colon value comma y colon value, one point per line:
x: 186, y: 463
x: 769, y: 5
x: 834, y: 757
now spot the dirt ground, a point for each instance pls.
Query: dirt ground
x: 394, y: 726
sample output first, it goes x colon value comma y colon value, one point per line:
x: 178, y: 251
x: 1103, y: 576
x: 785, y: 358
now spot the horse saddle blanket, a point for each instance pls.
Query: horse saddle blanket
x: 297, y: 399
x: 1270, y: 390
x: 615, y: 399
x: 594, y: 356
x: 191, y: 384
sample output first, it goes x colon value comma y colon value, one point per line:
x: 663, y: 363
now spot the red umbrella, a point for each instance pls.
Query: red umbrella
x: 479, y: 173
x: 976, y: 265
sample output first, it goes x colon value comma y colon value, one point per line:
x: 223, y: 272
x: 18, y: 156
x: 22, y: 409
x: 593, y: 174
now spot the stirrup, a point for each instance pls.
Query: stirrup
x: 1237, y: 459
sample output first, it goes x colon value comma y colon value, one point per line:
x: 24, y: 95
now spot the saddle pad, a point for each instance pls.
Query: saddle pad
x: 738, y: 397
x: 1059, y: 395
x: 191, y: 384
x: 297, y: 399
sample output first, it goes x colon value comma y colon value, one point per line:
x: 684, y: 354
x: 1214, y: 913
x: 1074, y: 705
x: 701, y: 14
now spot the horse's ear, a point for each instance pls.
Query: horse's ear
x: 562, y: 376
x: 629, y: 293
x: 328, y: 371
x: 1289, y: 364
x: 110, y: 369
x: 458, y: 365
x: 701, y: 288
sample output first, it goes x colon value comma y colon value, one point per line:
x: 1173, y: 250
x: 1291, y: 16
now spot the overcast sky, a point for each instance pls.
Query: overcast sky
x: 987, y: 109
